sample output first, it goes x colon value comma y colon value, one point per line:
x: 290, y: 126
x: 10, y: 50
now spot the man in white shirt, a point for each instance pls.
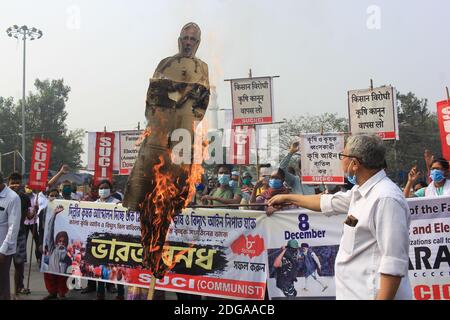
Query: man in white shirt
x: 373, y: 257
x: 10, y: 214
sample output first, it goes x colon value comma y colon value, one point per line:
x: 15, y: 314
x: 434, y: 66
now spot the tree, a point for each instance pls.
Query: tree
x: 418, y: 129
x: 9, y: 138
x: 45, y: 116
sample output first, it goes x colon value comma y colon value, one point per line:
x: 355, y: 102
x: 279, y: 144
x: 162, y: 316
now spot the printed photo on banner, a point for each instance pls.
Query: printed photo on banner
x: 209, y: 252
x: 252, y: 100
x: 320, y: 158
x: 302, y: 251
x: 374, y: 111
x: 91, y: 240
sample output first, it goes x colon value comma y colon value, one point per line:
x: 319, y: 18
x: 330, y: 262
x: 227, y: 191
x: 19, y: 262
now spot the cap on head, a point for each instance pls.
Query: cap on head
x: 292, y: 244
x: 246, y: 174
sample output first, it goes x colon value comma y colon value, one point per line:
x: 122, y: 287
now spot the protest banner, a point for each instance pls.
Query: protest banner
x: 251, y: 100
x: 40, y: 161
x: 306, y: 268
x: 128, y: 149
x: 231, y: 253
x: 125, y: 150
x: 443, y: 113
x: 104, y: 158
x: 320, y: 158
x: 212, y: 252
x: 373, y: 111
x: 429, y: 251
x: 242, y: 145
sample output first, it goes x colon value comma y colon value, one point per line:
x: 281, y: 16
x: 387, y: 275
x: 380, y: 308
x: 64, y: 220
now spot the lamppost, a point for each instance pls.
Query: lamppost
x: 23, y: 33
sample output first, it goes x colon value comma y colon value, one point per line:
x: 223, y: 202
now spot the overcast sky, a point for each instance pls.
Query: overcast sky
x: 106, y: 50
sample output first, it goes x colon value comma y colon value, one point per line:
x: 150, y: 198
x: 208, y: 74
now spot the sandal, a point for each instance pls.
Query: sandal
x: 23, y: 291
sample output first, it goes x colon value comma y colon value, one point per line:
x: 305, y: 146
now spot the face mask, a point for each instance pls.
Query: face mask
x: 351, y: 179
x: 247, y: 181
x: 104, y: 193
x: 233, y: 183
x: 275, y: 183
x: 224, y: 179
x: 199, y: 187
x: 437, y: 175
x: 67, y: 190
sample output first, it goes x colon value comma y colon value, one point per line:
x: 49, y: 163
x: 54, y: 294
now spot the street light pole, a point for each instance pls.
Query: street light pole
x: 23, y: 104
x: 31, y: 34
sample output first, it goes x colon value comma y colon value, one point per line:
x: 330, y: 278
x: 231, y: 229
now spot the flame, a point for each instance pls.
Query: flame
x: 143, y: 135
x: 174, y: 188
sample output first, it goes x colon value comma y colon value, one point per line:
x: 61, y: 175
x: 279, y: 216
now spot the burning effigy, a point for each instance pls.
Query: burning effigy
x: 158, y: 187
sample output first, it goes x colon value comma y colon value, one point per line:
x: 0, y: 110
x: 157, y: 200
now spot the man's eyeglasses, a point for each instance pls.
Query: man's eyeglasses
x: 342, y: 156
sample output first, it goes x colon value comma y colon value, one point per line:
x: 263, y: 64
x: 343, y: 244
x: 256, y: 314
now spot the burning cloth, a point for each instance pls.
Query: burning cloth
x: 158, y: 188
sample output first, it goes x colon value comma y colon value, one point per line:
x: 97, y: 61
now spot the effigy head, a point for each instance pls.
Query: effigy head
x: 189, y: 40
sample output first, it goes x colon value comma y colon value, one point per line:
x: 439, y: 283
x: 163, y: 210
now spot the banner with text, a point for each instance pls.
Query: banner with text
x: 429, y: 251
x: 443, y: 113
x: 129, y: 142
x: 243, y: 145
x: 374, y: 111
x: 231, y: 253
x: 217, y: 252
x: 320, y: 158
x: 104, y: 158
x: 40, y: 162
x: 251, y: 100
x: 125, y: 150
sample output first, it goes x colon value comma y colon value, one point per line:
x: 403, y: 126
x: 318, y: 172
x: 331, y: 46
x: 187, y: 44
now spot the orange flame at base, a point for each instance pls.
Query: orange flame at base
x: 173, y: 189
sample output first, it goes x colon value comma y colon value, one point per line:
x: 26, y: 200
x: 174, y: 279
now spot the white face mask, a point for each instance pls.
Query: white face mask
x: 104, y: 193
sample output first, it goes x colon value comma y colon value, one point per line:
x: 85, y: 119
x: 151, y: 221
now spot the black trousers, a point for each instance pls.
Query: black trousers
x: 5, y: 290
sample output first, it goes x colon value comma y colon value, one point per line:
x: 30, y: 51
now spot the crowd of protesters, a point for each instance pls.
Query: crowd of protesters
x: 23, y: 212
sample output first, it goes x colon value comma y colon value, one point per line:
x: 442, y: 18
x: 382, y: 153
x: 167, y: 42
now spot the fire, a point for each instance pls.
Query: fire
x: 172, y: 192
x: 173, y: 188
x: 141, y: 138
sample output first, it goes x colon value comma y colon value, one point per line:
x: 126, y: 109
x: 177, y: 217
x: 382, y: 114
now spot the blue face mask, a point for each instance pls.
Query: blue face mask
x: 437, y: 175
x: 233, y: 184
x: 351, y: 179
x: 275, y: 183
x: 224, y: 179
x: 199, y: 187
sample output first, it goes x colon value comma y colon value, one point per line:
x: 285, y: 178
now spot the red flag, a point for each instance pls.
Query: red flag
x: 40, y: 161
x: 240, y: 144
x: 104, y: 156
x: 443, y: 112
